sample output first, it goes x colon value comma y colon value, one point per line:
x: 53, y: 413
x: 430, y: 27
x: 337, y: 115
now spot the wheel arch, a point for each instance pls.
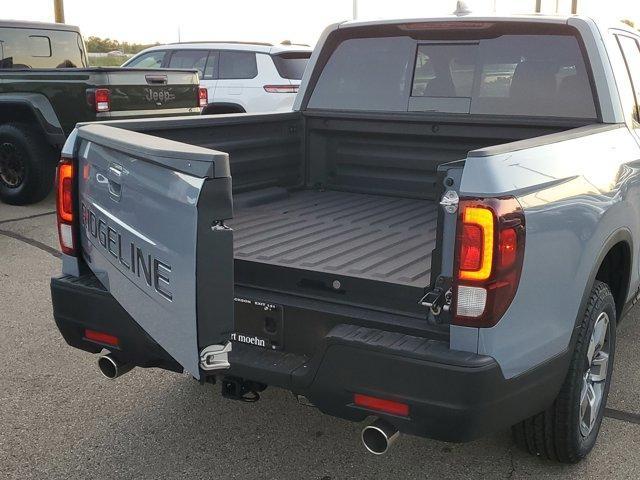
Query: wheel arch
x: 613, y: 267
x: 219, y: 108
x: 34, y: 110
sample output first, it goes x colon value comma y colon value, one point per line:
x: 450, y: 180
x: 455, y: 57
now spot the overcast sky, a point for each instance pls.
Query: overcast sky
x: 146, y: 21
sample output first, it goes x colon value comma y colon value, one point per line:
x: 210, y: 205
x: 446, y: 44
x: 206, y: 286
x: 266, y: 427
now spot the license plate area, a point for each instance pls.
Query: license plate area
x: 259, y: 323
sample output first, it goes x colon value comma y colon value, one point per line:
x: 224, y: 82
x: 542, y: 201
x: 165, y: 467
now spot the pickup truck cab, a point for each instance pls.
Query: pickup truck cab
x: 46, y: 87
x: 442, y: 236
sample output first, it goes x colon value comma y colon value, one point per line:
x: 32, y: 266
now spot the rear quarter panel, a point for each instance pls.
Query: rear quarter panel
x: 576, y: 195
x: 65, y: 90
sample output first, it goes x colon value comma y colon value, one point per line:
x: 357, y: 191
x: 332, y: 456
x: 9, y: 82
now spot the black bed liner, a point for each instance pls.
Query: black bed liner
x: 358, y: 235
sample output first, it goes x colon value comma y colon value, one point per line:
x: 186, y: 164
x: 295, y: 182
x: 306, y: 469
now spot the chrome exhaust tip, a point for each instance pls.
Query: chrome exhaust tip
x: 112, y: 368
x: 378, y: 437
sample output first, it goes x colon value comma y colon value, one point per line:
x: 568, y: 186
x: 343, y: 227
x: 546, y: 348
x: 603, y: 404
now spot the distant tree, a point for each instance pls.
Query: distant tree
x: 631, y: 23
x: 104, y: 45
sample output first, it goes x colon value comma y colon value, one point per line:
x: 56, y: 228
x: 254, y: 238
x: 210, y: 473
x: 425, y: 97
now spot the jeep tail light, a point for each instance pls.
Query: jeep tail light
x: 102, y: 99
x: 281, y: 88
x: 488, y: 261
x: 64, y: 205
x: 203, y: 97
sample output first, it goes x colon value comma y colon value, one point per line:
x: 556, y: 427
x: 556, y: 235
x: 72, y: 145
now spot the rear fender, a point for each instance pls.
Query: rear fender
x: 33, y: 109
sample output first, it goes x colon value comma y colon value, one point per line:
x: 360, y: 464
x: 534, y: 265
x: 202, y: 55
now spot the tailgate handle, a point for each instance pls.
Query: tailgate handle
x: 156, y: 79
x: 113, y: 181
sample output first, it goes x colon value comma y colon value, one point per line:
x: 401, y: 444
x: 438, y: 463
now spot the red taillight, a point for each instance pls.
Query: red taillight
x: 508, y: 245
x: 381, y: 405
x: 489, y: 256
x: 203, y: 97
x: 102, y: 99
x: 101, y: 337
x: 471, y: 248
x: 64, y: 205
x: 281, y: 88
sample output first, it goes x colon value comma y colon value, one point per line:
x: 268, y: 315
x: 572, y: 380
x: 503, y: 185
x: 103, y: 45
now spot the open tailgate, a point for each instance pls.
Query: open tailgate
x: 152, y: 230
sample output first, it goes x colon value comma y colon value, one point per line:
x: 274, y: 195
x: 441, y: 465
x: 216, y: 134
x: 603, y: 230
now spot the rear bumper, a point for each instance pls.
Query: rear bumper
x: 152, y: 113
x: 453, y: 396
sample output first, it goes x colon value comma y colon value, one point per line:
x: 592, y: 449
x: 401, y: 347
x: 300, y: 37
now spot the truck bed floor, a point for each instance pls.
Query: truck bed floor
x: 367, y: 236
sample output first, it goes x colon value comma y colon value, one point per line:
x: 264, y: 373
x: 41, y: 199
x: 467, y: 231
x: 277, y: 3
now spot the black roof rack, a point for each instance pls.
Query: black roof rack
x: 264, y: 44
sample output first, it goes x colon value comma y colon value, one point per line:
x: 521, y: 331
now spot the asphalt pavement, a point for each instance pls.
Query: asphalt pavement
x: 60, y: 419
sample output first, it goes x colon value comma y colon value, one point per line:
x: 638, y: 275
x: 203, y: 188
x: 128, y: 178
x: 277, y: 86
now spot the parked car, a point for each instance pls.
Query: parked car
x: 239, y: 77
x: 442, y: 236
x: 46, y: 87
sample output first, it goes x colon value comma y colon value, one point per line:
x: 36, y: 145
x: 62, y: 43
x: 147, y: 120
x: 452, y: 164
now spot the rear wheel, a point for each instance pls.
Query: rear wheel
x: 567, y: 431
x: 27, y: 165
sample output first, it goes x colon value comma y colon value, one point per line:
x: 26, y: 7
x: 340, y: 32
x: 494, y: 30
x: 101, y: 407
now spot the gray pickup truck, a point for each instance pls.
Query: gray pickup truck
x: 441, y: 237
x: 47, y: 86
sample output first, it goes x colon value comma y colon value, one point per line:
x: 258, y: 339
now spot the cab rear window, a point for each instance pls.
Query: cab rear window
x: 24, y: 48
x: 506, y: 74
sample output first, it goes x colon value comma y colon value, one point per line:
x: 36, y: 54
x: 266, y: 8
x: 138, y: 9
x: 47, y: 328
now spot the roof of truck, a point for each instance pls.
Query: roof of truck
x: 259, y: 47
x: 38, y: 25
x: 602, y: 22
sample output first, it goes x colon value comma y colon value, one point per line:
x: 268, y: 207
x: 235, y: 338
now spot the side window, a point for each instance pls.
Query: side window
x: 236, y: 65
x: 211, y: 69
x: 148, y: 60
x: 631, y: 52
x: 189, y: 59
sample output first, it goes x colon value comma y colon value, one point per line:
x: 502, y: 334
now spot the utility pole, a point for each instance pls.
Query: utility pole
x: 574, y: 7
x: 538, y: 6
x: 355, y: 9
x: 58, y: 8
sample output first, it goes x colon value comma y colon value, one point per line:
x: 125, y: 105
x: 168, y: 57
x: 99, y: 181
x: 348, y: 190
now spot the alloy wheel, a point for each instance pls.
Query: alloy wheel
x: 11, y: 165
x: 595, y: 377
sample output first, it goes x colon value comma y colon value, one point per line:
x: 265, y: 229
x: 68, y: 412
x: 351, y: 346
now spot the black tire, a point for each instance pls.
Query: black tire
x: 32, y: 164
x: 556, y: 432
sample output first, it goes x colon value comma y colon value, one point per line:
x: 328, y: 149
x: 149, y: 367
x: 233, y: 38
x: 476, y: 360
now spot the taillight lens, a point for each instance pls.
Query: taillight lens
x: 281, y: 88
x: 64, y: 205
x: 488, y: 263
x: 203, y: 97
x: 102, y: 99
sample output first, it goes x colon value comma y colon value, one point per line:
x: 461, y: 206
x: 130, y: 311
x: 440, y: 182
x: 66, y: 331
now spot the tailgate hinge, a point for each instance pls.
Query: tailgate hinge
x: 215, y: 357
x: 438, y: 299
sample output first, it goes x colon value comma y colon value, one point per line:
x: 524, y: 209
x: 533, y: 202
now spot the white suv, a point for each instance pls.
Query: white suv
x: 238, y: 77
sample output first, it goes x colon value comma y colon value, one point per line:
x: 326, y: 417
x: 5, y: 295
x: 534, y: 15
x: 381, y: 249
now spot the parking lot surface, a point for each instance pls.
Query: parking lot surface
x: 59, y: 418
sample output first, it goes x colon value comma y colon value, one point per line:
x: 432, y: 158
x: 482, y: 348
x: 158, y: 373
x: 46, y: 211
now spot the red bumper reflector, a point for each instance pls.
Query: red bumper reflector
x: 381, y: 405
x: 101, y: 337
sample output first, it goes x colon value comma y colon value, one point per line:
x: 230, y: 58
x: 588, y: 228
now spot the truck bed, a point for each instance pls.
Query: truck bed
x: 352, y: 234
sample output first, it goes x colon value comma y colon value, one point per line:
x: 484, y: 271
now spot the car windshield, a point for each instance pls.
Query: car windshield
x: 291, y: 65
x: 523, y: 75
